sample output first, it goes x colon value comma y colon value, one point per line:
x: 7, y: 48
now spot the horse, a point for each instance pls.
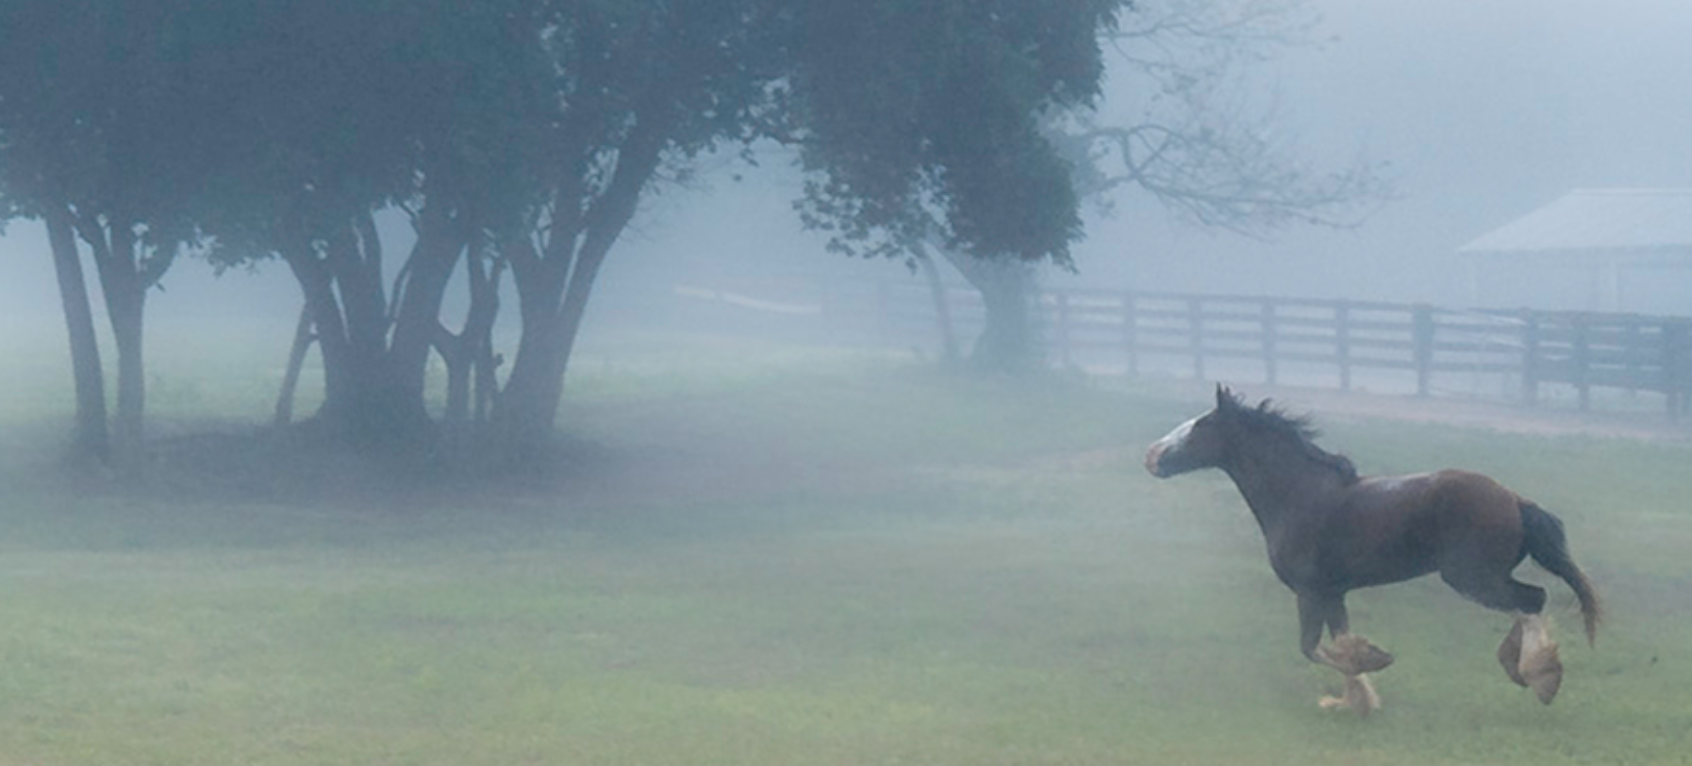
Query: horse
x: 1330, y: 531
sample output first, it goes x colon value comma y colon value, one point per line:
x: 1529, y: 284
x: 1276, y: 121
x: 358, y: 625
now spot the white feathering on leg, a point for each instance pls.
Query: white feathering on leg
x: 1539, y: 666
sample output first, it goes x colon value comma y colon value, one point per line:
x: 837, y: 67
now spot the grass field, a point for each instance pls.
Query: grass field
x: 806, y: 558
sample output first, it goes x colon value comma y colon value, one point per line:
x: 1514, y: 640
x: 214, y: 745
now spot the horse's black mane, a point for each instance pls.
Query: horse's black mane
x: 1268, y: 417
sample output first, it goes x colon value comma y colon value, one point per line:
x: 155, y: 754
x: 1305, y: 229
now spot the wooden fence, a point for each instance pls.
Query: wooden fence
x: 1338, y: 343
x: 1419, y: 343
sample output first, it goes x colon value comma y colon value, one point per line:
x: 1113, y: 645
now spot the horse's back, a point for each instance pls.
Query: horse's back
x: 1471, y: 504
x: 1456, y: 497
x: 1393, y: 528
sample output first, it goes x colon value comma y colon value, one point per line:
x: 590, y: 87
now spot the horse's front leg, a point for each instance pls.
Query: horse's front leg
x: 1348, y: 653
x: 1353, y: 656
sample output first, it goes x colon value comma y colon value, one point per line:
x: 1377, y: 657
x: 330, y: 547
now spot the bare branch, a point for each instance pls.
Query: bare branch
x: 1200, y: 144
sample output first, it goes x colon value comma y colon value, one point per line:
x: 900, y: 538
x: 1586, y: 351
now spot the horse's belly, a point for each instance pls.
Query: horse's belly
x: 1383, y: 573
x: 1353, y: 563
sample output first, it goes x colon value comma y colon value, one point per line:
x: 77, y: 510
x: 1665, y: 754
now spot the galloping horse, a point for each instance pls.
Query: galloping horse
x: 1330, y: 531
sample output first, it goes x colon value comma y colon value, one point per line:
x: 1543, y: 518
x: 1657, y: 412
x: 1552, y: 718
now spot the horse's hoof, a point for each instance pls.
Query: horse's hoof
x: 1543, y: 673
x: 1510, y: 654
x: 1355, y: 655
x: 1359, y: 696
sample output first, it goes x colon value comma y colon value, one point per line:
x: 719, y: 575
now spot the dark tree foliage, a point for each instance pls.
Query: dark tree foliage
x: 921, y: 119
x: 337, y: 110
x: 1195, y: 146
x: 99, y: 137
x: 641, y: 87
x: 521, y: 137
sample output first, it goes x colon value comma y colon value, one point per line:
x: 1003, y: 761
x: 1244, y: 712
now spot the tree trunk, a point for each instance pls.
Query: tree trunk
x: 318, y: 288
x: 1008, y: 342
x: 441, y: 241
x: 469, y: 354
x: 127, y: 311
x: 530, y: 401
x: 303, y: 336
x: 553, y: 286
x: 523, y: 416
x: 484, y: 310
x: 453, y: 352
x: 942, y: 309
x: 364, y: 399
x: 90, y: 442
x: 117, y: 256
x: 352, y: 351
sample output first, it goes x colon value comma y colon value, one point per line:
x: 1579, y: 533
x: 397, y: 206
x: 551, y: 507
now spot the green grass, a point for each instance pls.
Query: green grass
x: 813, y: 558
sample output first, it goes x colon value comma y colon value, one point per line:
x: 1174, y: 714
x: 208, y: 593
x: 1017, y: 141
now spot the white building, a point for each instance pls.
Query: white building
x: 1627, y: 250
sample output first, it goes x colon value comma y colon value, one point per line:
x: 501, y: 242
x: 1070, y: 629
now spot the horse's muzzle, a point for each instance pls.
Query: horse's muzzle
x: 1154, y: 460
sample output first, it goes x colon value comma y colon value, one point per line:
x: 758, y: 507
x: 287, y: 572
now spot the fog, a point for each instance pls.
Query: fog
x: 1484, y: 112
x: 776, y: 533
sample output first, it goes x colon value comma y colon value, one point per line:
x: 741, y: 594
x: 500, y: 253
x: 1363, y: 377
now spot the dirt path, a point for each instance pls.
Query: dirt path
x: 1504, y: 417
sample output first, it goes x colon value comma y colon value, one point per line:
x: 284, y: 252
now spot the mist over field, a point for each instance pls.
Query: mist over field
x: 799, y: 505
x: 1483, y: 111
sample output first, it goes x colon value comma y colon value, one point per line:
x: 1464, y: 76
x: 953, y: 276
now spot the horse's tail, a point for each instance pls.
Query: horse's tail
x: 1543, y: 539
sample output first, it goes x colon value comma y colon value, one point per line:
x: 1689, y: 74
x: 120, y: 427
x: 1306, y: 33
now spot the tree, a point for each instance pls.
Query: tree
x: 908, y: 115
x: 634, y: 91
x: 90, y: 444
x: 1196, y: 146
x: 927, y: 138
x: 641, y: 86
x: 525, y: 133
x: 1199, y: 146
x: 96, y: 138
x: 921, y: 121
x: 364, y: 107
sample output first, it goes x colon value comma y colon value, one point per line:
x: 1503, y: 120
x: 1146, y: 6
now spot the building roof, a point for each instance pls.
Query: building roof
x: 1597, y: 220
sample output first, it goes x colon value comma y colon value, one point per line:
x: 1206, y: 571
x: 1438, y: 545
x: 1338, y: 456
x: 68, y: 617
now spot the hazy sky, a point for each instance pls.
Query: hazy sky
x: 1485, y: 110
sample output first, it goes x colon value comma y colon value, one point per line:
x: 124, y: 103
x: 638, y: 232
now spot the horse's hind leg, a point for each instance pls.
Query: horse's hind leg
x: 1537, y: 664
x: 1528, y: 654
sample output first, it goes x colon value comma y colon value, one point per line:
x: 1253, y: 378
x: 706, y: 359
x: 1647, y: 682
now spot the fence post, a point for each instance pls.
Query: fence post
x: 1422, y: 335
x: 1063, y: 329
x: 1131, y: 333
x: 1635, y: 345
x: 1582, y: 359
x: 1674, y: 370
x: 1342, y: 343
x: 1195, y: 334
x: 1530, y: 358
x: 1269, y: 341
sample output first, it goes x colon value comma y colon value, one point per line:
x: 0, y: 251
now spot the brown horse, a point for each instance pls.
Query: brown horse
x: 1330, y: 531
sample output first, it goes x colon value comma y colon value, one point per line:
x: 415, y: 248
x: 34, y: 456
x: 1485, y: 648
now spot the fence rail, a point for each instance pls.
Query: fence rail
x: 1339, y: 343
x: 1539, y: 349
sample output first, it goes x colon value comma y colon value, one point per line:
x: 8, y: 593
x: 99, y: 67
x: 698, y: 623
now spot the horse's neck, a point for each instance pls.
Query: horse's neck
x: 1280, y: 482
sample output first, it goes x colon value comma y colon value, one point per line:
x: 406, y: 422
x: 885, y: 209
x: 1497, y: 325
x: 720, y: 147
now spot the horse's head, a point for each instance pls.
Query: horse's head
x: 1198, y: 443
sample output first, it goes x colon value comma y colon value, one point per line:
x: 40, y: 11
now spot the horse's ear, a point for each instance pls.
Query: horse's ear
x: 1224, y: 397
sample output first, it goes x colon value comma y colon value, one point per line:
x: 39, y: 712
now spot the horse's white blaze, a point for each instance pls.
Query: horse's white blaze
x: 1175, y: 439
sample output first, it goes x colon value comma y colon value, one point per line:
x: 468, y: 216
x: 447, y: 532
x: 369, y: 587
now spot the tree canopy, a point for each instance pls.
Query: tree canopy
x: 520, y: 135
x: 927, y: 114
